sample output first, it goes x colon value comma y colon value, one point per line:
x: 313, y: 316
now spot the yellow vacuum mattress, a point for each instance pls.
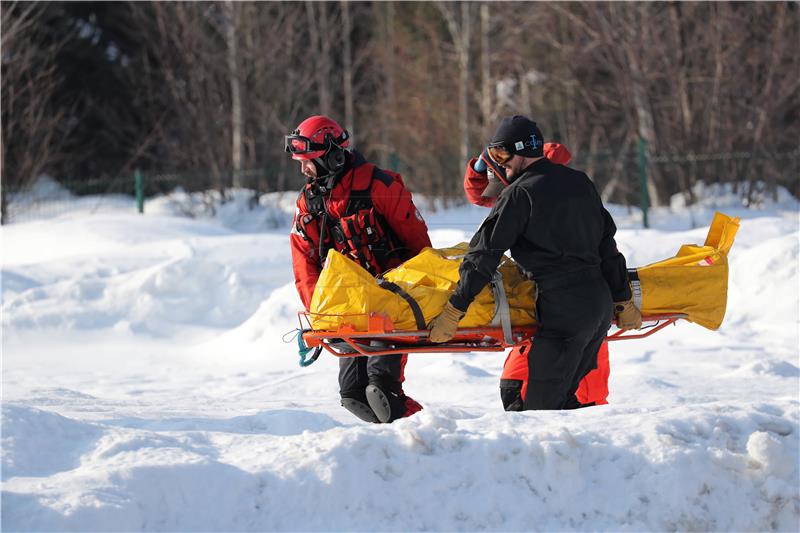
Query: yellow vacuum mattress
x: 693, y: 282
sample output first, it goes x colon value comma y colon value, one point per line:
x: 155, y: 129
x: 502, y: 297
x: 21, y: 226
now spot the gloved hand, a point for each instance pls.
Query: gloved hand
x: 443, y: 327
x: 628, y: 316
x: 485, y: 162
x: 480, y: 162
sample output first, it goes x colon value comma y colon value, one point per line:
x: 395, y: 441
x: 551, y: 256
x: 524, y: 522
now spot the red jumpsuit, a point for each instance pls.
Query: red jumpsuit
x: 390, y: 199
x: 363, y: 197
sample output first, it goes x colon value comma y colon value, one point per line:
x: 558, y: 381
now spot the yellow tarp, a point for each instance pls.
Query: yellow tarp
x: 345, y: 292
x: 694, y: 282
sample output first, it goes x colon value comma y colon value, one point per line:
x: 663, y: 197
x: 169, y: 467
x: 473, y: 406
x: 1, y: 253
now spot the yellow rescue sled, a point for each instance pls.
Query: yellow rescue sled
x: 353, y: 313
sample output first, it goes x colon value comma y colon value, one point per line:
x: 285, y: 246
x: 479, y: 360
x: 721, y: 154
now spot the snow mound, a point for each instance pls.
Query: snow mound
x: 714, y: 470
x: 40, y: 443
x: 732, y: 195
x: 239, y: 209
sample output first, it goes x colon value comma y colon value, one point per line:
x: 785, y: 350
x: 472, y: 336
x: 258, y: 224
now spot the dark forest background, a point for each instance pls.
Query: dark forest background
x: 208, y: 89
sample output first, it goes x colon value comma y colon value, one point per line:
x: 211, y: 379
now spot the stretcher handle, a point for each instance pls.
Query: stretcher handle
x: 304, y: 350
x: 351, y: 338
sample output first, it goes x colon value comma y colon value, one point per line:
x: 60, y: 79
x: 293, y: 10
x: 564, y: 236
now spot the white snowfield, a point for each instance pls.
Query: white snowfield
x: 146, y: 387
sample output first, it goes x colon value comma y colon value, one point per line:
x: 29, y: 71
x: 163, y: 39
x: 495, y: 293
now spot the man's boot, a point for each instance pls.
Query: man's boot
x: 358, y: 406
x: 388, y: 401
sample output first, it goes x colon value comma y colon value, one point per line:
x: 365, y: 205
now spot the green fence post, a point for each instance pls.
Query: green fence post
x: 643, y: 196
x: 137, y: 176
x: 394, y: 162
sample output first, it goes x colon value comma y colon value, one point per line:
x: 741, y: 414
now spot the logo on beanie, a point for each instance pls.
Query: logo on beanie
x: 533, y: 143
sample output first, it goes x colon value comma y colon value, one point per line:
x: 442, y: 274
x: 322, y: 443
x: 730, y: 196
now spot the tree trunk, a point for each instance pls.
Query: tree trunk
x: 317, y: 28
x: 644, y: 115
x: 347, y: 70
x: 390, y: 102
x: 714, y: 101
x: 686, y: 177
x: 486, y: 74
x: 463, y: 108
x: 324, y: 62
x: 237, y: 125
x: 3, y: 186
x: 460, y: 35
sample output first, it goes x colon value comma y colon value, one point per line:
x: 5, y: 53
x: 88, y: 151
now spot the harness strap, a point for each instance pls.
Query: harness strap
x: 502, y: 314
x: 412, y: 303
x: 360, y: 199
x: 636, y: 287
x: 323, y: 228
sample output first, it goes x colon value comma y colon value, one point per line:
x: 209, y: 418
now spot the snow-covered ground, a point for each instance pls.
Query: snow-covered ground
x: 146, y: 386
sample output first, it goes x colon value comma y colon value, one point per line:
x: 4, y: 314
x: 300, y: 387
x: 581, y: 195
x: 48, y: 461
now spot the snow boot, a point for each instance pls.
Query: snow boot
x: 360, y: 408
x: 389, y: 402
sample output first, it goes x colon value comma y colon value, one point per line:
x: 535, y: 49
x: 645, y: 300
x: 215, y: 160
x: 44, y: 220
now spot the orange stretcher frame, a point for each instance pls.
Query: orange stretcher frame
x: 382, y: 339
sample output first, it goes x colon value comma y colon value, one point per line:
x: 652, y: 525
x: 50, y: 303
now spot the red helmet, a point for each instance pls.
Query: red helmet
x: 315, y: 136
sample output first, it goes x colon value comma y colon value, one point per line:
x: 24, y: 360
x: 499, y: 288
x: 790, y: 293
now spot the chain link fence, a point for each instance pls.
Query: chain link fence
x: 621, y: 178
x: 200, y: 193
x: 639, y: 178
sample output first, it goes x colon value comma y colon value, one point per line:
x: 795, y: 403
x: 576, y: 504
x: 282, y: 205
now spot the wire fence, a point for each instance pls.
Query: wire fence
x: 621, y: 178
x: 48, y: 198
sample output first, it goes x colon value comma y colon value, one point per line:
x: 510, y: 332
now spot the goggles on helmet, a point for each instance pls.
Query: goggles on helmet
x: 297, y: 144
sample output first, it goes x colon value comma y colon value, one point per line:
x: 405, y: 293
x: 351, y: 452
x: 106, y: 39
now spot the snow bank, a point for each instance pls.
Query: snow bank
x: 240, y: 210
x: 711, y: 468
x: 143, y: 274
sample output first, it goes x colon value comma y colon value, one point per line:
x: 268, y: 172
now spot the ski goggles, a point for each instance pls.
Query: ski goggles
x: 500, y: 152
x: 297, y: 144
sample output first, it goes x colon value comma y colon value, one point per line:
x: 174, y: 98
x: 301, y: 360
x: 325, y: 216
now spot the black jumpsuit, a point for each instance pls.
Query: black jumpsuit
x: 554, y: 223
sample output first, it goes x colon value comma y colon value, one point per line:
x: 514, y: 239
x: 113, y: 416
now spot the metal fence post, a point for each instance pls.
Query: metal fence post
x: 139, y: 181
x: 394, y: 162
x: 643, y: 196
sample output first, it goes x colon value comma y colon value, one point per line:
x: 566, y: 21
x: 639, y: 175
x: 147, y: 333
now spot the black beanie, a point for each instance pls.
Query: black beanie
x: 522, y: 134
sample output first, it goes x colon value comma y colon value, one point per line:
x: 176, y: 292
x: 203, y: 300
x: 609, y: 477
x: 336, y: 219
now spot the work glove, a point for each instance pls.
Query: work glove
x: 628, y: 316
x: 480, y: 162
x: 443, y: 327
x: 485, y: 163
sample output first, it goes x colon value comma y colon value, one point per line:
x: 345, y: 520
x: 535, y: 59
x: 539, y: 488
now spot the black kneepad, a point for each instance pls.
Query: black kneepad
x: 511, y: 394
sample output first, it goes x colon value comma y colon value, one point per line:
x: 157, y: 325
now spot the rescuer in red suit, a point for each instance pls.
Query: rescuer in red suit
x: 366, y: 213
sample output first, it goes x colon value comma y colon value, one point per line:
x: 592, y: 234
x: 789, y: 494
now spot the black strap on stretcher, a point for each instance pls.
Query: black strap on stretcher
x: 502, y: 315
x: 412, y: 303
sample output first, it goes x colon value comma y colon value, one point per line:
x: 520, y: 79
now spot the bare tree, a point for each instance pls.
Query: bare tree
x: 237, y: 124
x: 189, y: 40
x: 489, y: 114
x: 460, y: 28
x: 319, y: 33
x: 347, y: 66
x: 33, y: 123
x: 215, y: 85
x: 387, y: 100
